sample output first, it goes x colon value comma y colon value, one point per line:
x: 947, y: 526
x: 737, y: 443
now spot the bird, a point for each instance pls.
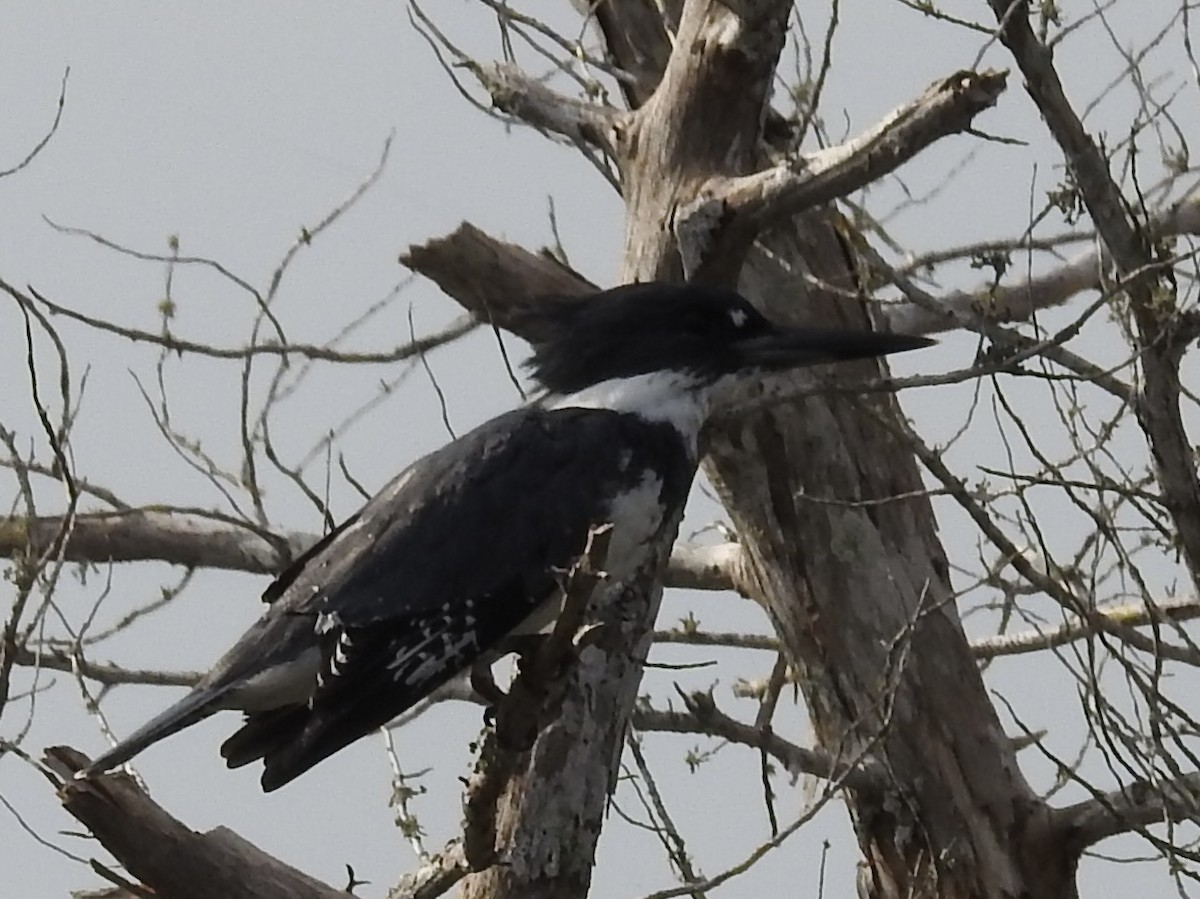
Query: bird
x: 465, y: 548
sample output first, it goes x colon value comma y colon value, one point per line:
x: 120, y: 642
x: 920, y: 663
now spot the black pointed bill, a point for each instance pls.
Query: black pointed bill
x: 782, y: 348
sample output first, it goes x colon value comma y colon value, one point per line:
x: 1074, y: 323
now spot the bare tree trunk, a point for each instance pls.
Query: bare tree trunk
x: 850, y: 567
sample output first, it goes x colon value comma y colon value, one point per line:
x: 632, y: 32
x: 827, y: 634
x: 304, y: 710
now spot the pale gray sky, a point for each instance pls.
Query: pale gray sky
x: 235, y: 125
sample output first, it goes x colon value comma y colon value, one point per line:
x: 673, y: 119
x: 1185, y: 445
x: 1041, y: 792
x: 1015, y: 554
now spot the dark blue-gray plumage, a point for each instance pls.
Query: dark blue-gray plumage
x: 467, y: 545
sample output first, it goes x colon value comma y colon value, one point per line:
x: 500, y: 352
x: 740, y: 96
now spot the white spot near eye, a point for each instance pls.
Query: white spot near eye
x: 738, y: 317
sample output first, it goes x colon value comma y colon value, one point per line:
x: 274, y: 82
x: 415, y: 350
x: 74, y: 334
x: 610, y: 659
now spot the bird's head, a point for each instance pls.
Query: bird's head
x: 702, y: 336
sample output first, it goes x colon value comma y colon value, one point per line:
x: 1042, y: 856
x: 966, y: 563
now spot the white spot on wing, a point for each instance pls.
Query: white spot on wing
x: 451, y: 646
x: 398, y: 483
x: 450, y: 655
x: 738, y: 317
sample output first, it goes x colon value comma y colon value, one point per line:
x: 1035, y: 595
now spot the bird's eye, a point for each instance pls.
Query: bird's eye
x: 738, y: 317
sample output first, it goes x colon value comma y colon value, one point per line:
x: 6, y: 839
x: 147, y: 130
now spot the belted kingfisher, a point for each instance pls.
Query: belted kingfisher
x: 467, y: 546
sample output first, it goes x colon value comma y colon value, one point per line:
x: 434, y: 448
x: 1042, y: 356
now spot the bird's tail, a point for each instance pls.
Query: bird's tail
x: 194, y: 707
x: 263, y: 733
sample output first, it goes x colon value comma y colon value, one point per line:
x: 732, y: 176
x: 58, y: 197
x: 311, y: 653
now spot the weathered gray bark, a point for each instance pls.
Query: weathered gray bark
x: 859, y: 596
x: 167, y: 856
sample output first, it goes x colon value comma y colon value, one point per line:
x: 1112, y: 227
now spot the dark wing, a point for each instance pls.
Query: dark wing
x: 284, y: 579
x: 449, y: 558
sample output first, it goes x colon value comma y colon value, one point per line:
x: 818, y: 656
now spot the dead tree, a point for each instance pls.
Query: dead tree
x: 836, y: 535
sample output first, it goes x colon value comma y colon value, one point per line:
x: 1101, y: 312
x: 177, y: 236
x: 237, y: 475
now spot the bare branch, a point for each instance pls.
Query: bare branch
x: 1033, y: 640
x: 165, y: 854
x: 1153, y: 301
x: 516, y: 93
x: 41, y: 144
x: 730, y: 212
x: 57, y: 658
x: 967, y: 318
x: 173, y: 259
x: 493, y: 278
x: 703, y: 717
x: 197, y: 539
x: 1132, y: 807
x: 1018, y: 302
x: 181, y: 346
x: 137, y: 535
x: 660, y: 816
x: 533, y: 698
x: 1068, y: 599
x: 731, y: 639
x: 437, y: 876
x: 1126, y: 615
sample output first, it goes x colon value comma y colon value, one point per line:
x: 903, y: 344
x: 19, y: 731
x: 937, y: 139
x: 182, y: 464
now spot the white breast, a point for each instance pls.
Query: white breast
x: 673, y: 398
x: 636, y: 516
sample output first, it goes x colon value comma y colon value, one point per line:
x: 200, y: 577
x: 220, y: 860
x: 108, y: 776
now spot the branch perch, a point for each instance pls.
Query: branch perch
x: 531, y: 702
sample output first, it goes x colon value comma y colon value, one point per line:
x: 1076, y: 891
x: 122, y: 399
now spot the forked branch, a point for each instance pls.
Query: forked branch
x: 1130, y: 808
x: 729, y: 213
x: 515, y: 92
